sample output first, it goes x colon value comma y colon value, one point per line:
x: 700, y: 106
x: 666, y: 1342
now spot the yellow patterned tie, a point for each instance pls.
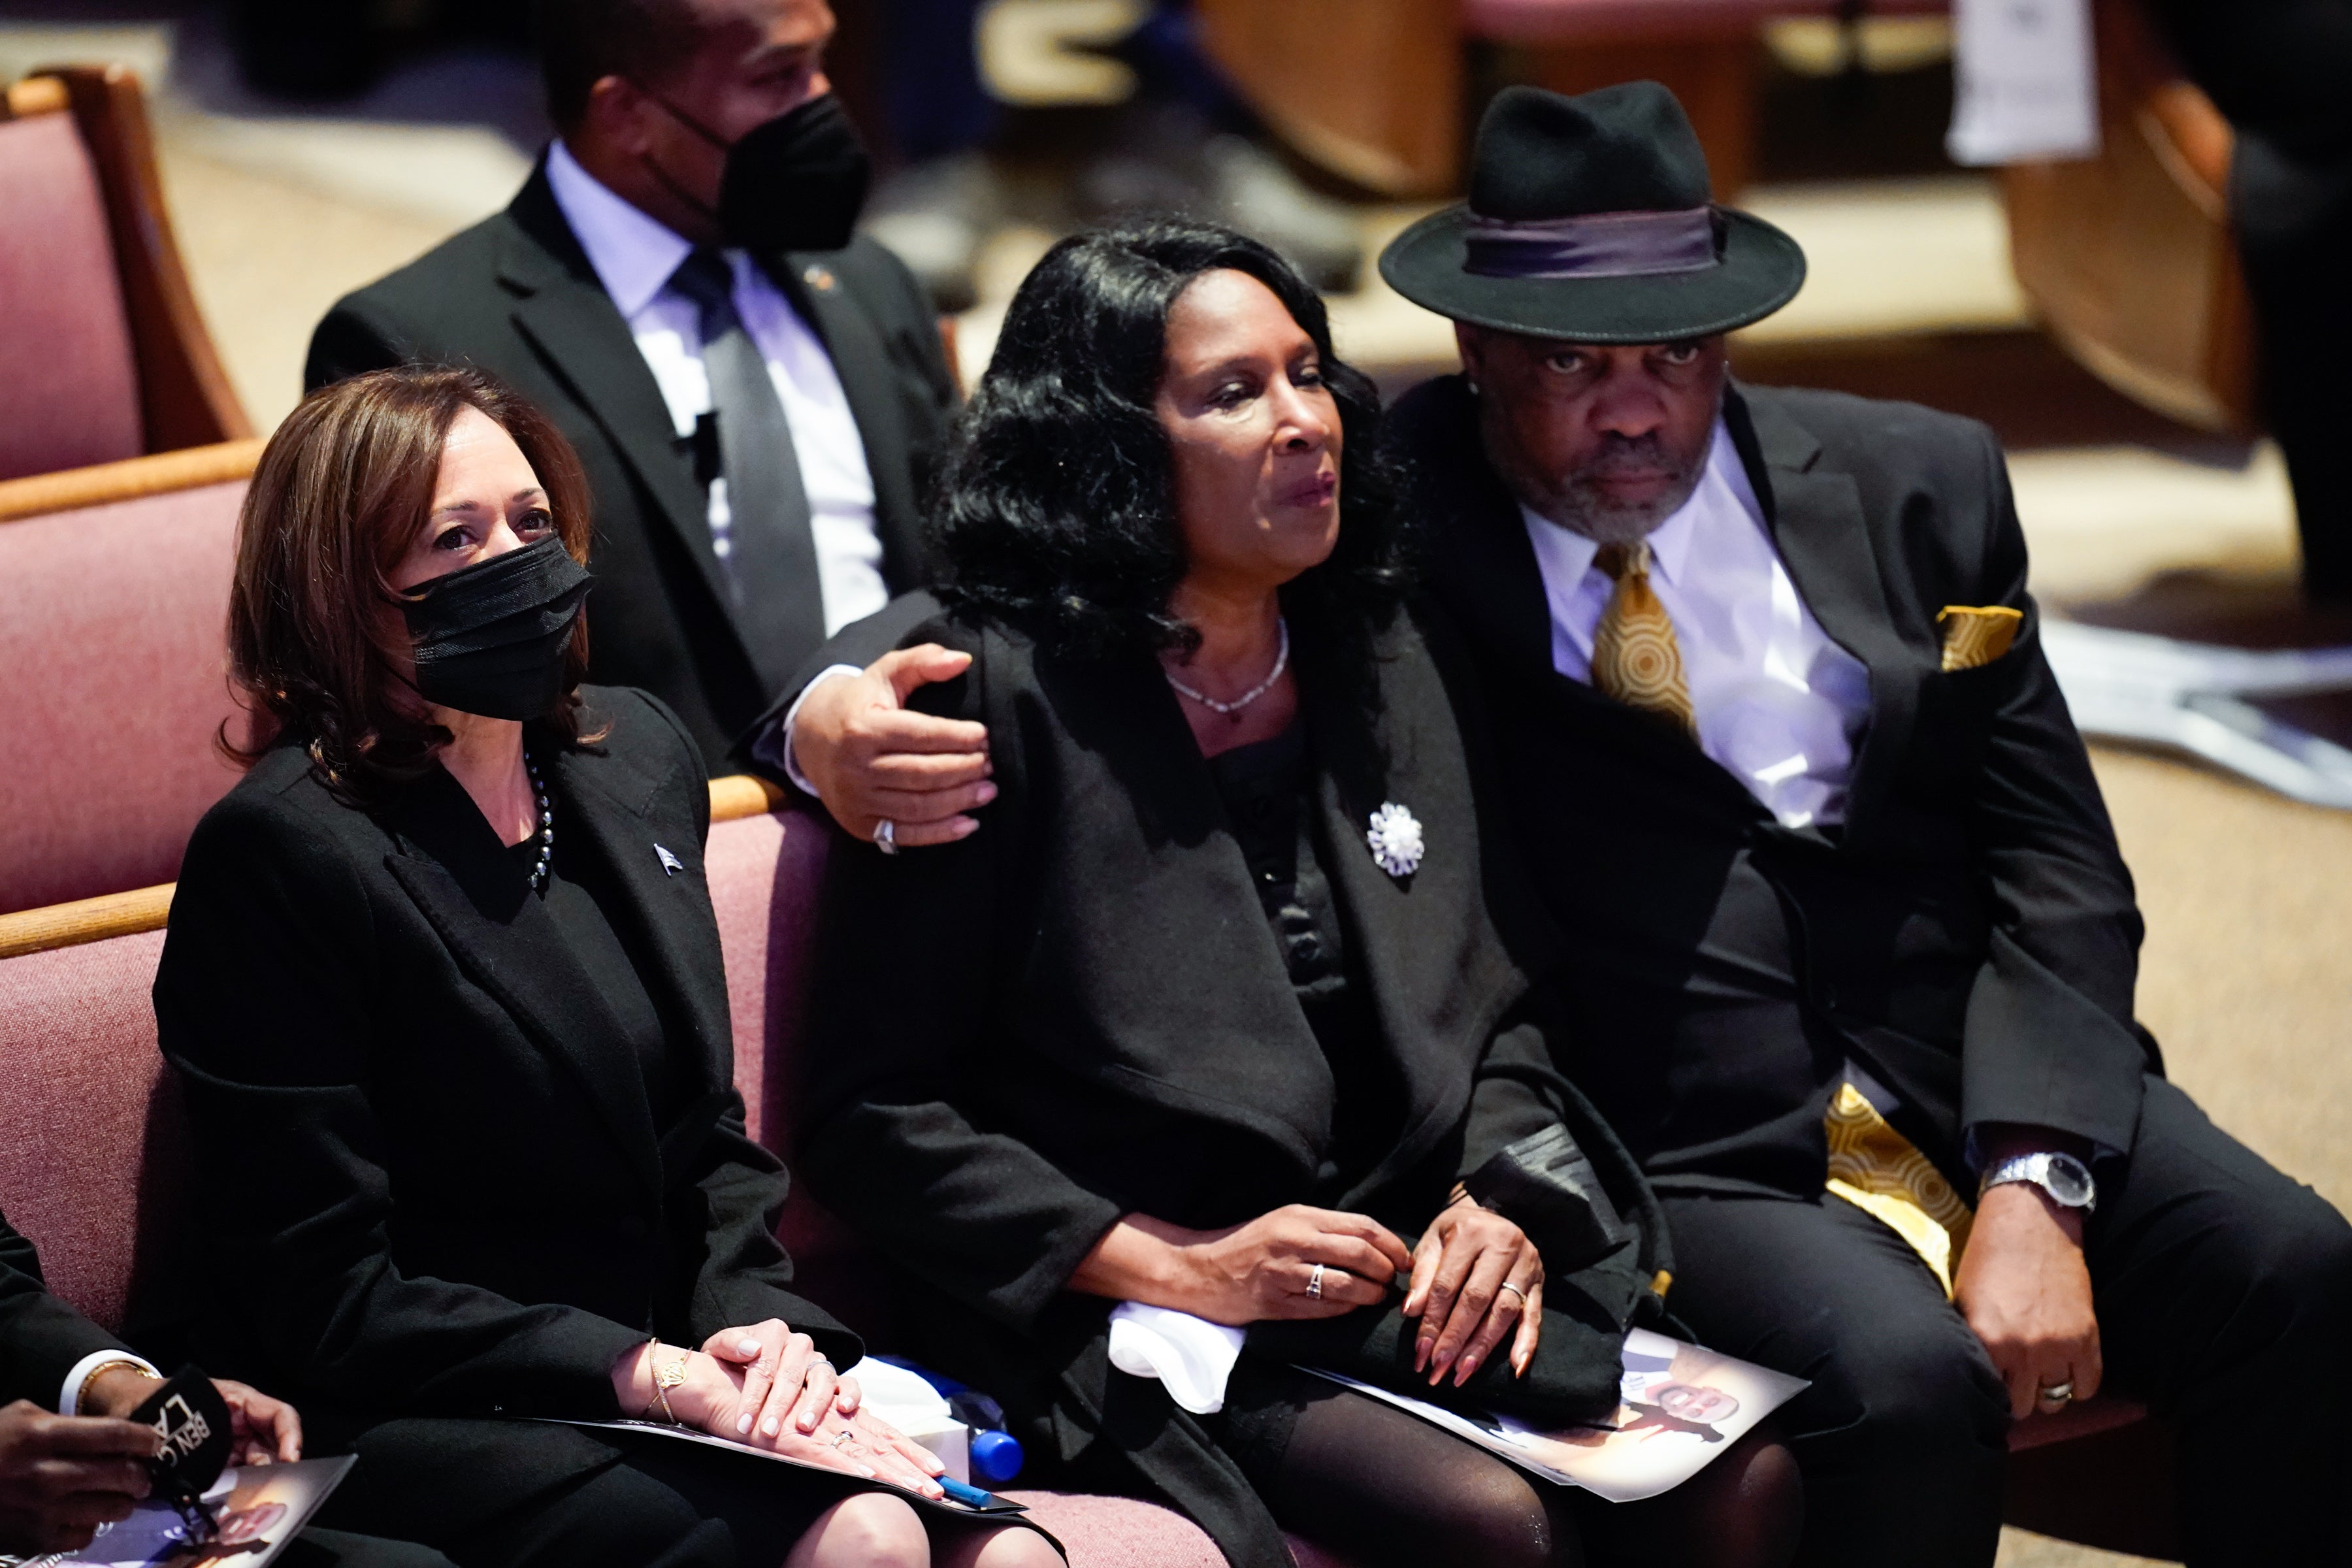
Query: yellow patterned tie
x: 1976, y: 635
x: 1636, y: 658
x: 1877, y: 1169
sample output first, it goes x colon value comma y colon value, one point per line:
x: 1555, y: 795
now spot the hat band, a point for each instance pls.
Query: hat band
x: 1593, y: 245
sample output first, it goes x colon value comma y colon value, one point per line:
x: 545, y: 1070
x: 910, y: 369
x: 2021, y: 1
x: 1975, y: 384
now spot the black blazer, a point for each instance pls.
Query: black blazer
x: 41, y: 1337
x: 1971, y: 933
x: 1078, y: 1013
x: 429, y: 1163
x: 515, y: 296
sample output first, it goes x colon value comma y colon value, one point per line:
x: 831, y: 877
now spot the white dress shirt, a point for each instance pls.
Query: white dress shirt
x: 634, y: 256
x: 1778, y: 703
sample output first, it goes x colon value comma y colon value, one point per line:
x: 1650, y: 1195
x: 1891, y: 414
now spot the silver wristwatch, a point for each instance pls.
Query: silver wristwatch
x: 2066, y: 1179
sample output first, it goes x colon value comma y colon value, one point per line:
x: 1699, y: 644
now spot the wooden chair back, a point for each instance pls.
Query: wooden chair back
x: 1371, y: 90
x: 2128, y: 257
x: 86, y: 247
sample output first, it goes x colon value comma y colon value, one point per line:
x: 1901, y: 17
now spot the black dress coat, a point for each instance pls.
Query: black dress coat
x: 430, y: 1169
x: 515, y: 296
x: 41, y: 1338
x: 1079, y: 1013
x: 1968, y: 934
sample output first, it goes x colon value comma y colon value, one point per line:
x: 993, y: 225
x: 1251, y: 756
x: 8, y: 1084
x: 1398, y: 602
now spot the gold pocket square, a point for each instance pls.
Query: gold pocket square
x: 1977, y: 634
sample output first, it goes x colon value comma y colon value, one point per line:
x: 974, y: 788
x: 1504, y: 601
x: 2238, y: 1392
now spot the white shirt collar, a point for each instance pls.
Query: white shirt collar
x: 634, y: 254
x: 1670, y: 542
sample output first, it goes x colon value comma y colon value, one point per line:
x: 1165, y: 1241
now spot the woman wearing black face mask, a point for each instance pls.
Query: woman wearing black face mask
x: 444, y: 984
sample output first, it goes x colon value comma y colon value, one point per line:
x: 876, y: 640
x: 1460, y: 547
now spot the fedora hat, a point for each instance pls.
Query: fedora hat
x: 1589, y: 221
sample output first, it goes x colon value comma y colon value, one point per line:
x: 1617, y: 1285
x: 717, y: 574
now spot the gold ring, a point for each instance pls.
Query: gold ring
x: 1514, y: 1290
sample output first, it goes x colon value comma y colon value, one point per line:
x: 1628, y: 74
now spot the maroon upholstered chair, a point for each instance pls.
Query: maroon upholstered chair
x: 103, y: 355
x: 93, y: 1160
x: 112, y: 653
x: 69, y: 387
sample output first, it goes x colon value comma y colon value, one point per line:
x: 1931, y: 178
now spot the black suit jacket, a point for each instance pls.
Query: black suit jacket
x: 515, y: 296
x: 432, y: 1183
x: 1097, y: 1022
x: 41, y: 1337
x: 1970, y: 934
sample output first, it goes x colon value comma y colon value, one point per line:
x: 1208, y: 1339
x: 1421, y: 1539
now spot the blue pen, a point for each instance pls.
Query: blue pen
x: 971, y: 1497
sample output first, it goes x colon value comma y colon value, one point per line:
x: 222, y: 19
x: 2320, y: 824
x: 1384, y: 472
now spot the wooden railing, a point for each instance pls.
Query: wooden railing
x: 147, y: 909
x: 70, y: 489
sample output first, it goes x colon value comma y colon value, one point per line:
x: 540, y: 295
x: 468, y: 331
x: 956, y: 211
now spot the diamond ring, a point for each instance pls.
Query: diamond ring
x: 1314, y: 1284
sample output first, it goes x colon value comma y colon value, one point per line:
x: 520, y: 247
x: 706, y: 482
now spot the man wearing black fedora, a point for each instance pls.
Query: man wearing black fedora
x: 1850, y: 946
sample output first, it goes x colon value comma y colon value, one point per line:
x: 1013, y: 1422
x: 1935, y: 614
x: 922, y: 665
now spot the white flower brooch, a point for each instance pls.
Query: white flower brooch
x: 1395, y: 840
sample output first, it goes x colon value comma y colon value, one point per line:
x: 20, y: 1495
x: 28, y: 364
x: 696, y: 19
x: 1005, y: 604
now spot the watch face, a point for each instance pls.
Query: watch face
x: 2068, y: 1180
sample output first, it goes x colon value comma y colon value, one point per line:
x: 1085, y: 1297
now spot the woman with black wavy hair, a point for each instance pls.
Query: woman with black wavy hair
x: 1218, y: 1061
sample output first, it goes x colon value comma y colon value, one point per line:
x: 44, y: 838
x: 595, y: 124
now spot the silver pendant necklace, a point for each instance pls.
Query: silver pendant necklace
x: 1233, y: 709
x: 546, y: 826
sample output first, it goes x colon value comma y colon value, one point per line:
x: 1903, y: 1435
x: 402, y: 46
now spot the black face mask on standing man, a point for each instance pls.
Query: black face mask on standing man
x: 490, y: 637
x: 794, y: 183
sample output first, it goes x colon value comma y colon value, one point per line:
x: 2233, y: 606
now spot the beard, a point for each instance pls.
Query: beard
x: 1580, y: 499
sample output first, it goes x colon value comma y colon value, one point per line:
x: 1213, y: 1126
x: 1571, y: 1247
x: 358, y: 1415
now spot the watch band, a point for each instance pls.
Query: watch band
x: 2066, y: 1179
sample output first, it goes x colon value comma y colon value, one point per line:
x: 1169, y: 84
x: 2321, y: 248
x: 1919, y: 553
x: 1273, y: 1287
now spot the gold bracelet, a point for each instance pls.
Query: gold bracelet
x: 665, y: 1379
x: 81, y: 1394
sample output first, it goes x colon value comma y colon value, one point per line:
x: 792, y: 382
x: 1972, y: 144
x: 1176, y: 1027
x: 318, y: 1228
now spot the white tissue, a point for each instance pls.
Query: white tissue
x: 1191, y: 1356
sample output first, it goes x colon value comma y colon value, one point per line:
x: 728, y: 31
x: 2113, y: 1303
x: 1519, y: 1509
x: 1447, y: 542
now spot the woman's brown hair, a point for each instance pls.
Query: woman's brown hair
x: 316, y: 644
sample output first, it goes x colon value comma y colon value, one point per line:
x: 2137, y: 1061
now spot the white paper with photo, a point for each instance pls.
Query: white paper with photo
x: 259, y: 1509
x: 1680, y: 1406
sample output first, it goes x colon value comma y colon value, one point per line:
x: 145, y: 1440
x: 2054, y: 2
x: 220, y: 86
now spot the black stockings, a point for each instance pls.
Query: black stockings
x: 1379, y: 1487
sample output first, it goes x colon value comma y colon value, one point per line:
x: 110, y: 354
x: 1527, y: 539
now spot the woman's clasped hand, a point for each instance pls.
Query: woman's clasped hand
x: 1473, y: 1279
x: 767, y: 1386
x: 1474, y: 1276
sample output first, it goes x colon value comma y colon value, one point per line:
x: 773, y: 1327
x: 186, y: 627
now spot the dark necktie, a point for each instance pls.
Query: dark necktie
x: 769, y: 559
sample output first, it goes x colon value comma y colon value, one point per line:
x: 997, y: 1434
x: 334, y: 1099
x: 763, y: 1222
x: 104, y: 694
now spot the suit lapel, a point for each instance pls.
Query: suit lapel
x: 563, y: 311
x: 1424, y: 997
x: 1824, y: 539
x: 452, y: 865
x: 687, y: 976
x: 862, y: 360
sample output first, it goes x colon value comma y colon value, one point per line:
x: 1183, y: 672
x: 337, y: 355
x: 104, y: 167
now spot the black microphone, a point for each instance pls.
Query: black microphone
x: 189, y: 1414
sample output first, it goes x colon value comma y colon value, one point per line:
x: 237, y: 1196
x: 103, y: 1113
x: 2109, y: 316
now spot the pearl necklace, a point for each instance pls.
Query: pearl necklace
x: 546, y: 826
x: 1233, y: 709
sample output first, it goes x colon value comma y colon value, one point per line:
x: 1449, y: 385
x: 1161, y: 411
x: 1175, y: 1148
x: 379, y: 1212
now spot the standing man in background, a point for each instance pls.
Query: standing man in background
x: 755, y: 395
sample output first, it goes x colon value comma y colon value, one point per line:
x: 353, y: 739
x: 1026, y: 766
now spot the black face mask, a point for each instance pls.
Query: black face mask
x: 795, y: 183
x: 490, y: 637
